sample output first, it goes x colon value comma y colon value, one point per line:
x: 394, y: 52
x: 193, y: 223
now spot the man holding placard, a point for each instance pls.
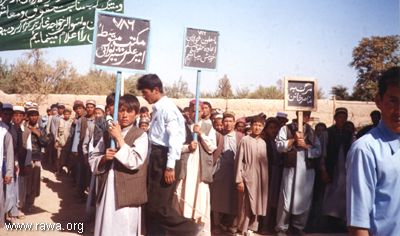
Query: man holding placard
x: 299, y: 152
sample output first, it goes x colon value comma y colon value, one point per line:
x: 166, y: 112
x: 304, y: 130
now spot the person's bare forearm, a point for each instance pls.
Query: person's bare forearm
x: 353, y: 231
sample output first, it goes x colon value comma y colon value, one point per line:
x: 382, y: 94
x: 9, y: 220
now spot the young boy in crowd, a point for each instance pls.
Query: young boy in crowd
x: 252, y: 178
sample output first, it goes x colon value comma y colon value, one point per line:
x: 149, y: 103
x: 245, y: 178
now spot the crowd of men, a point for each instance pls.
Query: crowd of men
x: 163, y: 173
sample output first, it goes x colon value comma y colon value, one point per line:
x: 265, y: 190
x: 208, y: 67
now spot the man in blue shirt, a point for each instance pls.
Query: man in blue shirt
x: 167, y: 135
x: 373, y: 167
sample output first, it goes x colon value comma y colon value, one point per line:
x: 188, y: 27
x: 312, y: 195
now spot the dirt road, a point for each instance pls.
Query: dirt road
x: 58, y: 211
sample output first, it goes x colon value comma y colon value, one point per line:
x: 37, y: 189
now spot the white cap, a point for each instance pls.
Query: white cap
x: 102, y: 107
x: 219, y: 116
x: 19, y: 109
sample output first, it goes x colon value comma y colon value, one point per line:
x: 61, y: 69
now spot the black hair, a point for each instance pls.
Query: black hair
x: 258, y: 119
x: 348, y: 124
x: 149, y: 81
x: 110, y: 99
x: 130, y: 102
x: 390, y: 77
x: 375, y: 113
x: 320, y: 124
x: 53, y: 106
x: 144, y: 109
x: 228, y: 115
x: 208, y: 104
x: 272, y: 120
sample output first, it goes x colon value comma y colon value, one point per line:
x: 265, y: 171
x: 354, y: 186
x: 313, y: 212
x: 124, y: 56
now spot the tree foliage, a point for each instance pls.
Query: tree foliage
x: 224, y: 88
x: 371, y: 57
x: 340, y: 92
x: 5, y: 75
x: 271, y: 92
x: 365, y: 91
x: 94, y: 82
x: 179, y: 89
x: 130, y: 85
x: 32, y: 75
x: 242, y: 93
x: 208, y: 94
x: 320, y: 93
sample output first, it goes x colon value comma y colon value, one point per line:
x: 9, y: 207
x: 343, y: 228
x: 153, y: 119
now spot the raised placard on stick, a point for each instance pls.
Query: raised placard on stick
x: 300, y: 94
x: 200, y: 48
x: 121, y: 41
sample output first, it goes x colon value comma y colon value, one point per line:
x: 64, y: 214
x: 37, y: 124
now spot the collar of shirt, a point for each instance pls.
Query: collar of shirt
x: 90, y: 118
x: 231, y: 134
x: 157, y: 105
x: 126, y: 129
x: 389, y: 136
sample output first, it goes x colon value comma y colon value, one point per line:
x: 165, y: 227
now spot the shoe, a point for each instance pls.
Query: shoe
x: 232, y: 230
x: 280, y: 233
x: 11, y: 219
x: 297, y: 232
x: 249, y: 233
x: 21, y: 215
x: 223, y: 227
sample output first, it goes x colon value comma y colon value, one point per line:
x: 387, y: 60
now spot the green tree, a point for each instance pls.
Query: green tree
x: 340, y: 92
x: 32, y: 75
x: 365, y: 91
x: 371, y: 57
x: 271, y: 92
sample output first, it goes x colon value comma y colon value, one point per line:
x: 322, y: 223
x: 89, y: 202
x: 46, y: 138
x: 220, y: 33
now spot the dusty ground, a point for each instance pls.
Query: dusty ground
x: 57, y: 203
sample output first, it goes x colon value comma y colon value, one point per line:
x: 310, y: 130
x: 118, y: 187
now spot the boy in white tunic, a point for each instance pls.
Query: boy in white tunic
x: 121, y: 174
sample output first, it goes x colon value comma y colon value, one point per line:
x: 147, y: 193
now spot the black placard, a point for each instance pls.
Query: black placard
x: 121, y: 42
x: 300, y: 94
x: 200, y: 49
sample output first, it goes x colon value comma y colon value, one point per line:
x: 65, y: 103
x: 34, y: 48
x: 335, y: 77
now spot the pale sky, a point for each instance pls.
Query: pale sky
x: 261, y: 41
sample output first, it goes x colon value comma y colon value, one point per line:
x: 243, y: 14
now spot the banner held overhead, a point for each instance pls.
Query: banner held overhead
x: 32, y: 24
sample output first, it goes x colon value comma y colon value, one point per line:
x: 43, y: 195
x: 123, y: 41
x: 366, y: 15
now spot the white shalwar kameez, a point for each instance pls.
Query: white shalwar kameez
x: 125, y: 221
x: 193, y: 194
x: 303, y: 182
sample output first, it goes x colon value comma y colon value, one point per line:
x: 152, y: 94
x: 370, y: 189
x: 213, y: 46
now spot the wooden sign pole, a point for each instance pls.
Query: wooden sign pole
x: 300, y: 121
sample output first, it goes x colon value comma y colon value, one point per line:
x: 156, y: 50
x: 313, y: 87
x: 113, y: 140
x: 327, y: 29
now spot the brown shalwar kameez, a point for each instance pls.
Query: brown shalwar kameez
x: 252, y: 170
